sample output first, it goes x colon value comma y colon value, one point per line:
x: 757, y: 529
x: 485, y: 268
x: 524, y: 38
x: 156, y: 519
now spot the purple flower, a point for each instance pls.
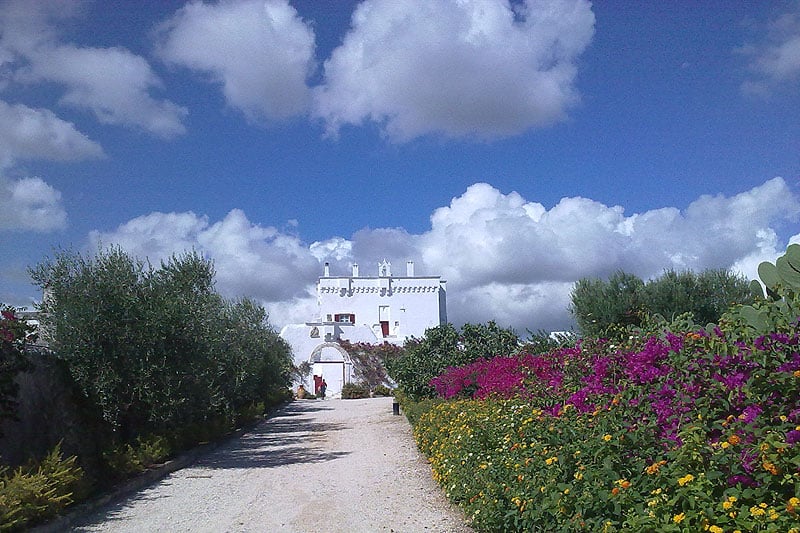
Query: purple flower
x: 750, y: 413
x: 793, y: 437
x: 745, y: 481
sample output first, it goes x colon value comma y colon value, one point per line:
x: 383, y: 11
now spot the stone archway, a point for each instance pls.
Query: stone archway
x: 333, y: 363
x: 329, y: 348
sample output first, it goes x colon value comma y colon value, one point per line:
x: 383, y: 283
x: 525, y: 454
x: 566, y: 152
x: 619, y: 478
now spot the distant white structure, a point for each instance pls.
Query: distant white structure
x: 371, y: 309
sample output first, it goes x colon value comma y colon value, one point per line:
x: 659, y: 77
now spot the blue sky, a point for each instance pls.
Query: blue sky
x: 511, y: 147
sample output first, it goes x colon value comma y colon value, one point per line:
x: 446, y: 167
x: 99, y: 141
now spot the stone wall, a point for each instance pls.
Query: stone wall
x: 48, y: 412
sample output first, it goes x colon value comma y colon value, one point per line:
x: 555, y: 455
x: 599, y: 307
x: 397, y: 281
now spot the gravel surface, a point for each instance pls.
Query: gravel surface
x: 315, y: 466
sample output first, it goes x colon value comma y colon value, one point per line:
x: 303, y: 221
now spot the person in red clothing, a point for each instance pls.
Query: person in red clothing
x: 323, y: 388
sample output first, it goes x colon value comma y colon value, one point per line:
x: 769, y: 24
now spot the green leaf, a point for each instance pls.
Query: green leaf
x: 769, y: 275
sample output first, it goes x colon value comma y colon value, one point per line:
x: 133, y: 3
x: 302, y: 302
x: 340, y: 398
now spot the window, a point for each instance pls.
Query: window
x: 345, y: 318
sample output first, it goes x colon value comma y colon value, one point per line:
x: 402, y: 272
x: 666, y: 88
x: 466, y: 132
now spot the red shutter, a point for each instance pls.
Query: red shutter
x: 352, y: 318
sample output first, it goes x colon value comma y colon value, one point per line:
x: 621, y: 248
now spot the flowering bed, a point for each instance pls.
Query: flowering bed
x: 689, y: 432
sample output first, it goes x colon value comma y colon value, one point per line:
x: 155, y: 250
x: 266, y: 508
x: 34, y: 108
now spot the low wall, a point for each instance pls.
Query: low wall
x: 48, y: 413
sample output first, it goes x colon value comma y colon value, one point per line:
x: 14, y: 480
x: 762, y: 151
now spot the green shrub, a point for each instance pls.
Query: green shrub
x: 603, y: 308
x: 445, y: 346
x: 354, y: 390
x: 128, y: 459
x: 414, y: 409
x: 690, y: 432
x: 37, y: 492
x: 382, y: 390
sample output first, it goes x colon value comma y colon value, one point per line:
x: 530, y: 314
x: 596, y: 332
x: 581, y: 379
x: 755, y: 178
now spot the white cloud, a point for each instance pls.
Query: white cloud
x: 470, y: 68
x: 261, y: 52
x: 27, y: 133
x: 774, y: 60
x: 112, y: 83
x: 515, y: 261
x: 250, y: 260
x: 504, y: 258
x: 30, y: 204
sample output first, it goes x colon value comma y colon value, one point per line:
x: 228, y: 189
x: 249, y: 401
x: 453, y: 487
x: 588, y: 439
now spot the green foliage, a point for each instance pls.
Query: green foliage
x: 778, y: 309
x: 543, y: 341
x: 39, y: 491
x: 127, y: 459
x: 352, y: 391
x: 382, y: 390
x: 13, y: 336
x: 606, y: 308
x: 598, y: 304
x: 445, y: 346
x: 156, y: 350
x: 520, y: 464
x: 414, y: 409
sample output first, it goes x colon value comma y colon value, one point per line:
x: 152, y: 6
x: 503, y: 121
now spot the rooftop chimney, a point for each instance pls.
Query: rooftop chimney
x: 410, y: 269
x: 327, y: 272
x: 355, y: 270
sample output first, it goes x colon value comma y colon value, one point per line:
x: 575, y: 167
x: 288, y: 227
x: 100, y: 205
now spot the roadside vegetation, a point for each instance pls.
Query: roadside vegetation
x: 154, y: 360
x: 650, y: 421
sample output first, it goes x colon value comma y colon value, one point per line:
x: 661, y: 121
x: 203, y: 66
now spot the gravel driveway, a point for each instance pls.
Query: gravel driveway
x: 315, y: 466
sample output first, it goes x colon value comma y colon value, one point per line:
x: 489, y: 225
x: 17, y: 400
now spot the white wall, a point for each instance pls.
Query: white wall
x: 410, y: 304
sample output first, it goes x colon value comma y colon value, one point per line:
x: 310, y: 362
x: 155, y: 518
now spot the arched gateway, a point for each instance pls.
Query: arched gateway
x: 332, y: 362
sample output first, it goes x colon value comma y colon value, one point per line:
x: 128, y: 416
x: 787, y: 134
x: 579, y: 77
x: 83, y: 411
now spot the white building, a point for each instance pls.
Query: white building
x: 371, y: 309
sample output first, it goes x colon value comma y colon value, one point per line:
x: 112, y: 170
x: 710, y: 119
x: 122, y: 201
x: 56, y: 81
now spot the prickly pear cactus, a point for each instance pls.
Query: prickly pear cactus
x: 779, y: 309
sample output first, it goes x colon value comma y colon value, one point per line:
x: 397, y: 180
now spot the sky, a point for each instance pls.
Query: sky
x: 511, y: 147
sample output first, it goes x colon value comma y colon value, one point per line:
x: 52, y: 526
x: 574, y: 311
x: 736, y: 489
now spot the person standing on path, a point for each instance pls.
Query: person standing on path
x: 322, y: 388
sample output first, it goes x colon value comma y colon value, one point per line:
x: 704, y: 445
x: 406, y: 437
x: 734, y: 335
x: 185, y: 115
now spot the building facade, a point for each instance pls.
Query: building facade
x: 371, y: 309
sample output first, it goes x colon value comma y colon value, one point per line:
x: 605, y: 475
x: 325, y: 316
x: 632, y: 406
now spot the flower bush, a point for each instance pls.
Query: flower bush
x: 695, y: 431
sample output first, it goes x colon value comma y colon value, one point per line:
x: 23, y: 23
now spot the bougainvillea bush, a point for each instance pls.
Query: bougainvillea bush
x: 694, y: 431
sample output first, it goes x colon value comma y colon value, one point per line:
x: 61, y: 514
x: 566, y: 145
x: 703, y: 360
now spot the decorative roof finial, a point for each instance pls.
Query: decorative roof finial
x: 384, y: 269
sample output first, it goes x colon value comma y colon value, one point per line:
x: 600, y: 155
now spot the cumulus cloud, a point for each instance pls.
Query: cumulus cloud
x: 30, y: 204
x: 250, y: 260
x: 504, y: 258
x: 775, y: 59
x: 472, y: 68
x: 260, y: 52
x: 513, y: 260
x: 112, y: 83
x: 27, y: 133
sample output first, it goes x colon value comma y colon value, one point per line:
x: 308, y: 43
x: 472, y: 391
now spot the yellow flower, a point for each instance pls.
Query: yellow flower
x: 678, y: 518
x: 685, y: 479
x: 757, y: 511
x: 793, y: 505
x: 551, y: 460
x: 716, y: 529
x: 725, y: 445
x: 606, y: 437
x: 727, y: 505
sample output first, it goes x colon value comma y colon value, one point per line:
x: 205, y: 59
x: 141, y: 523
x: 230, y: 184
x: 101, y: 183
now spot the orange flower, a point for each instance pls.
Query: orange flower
x: 734, y: 440
x: 615, y: 491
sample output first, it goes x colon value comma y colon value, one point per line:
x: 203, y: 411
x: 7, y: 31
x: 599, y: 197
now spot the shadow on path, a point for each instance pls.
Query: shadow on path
x: 290, y: 436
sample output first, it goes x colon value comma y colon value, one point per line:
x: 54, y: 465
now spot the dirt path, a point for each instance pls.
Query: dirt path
x: 332, y: 466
